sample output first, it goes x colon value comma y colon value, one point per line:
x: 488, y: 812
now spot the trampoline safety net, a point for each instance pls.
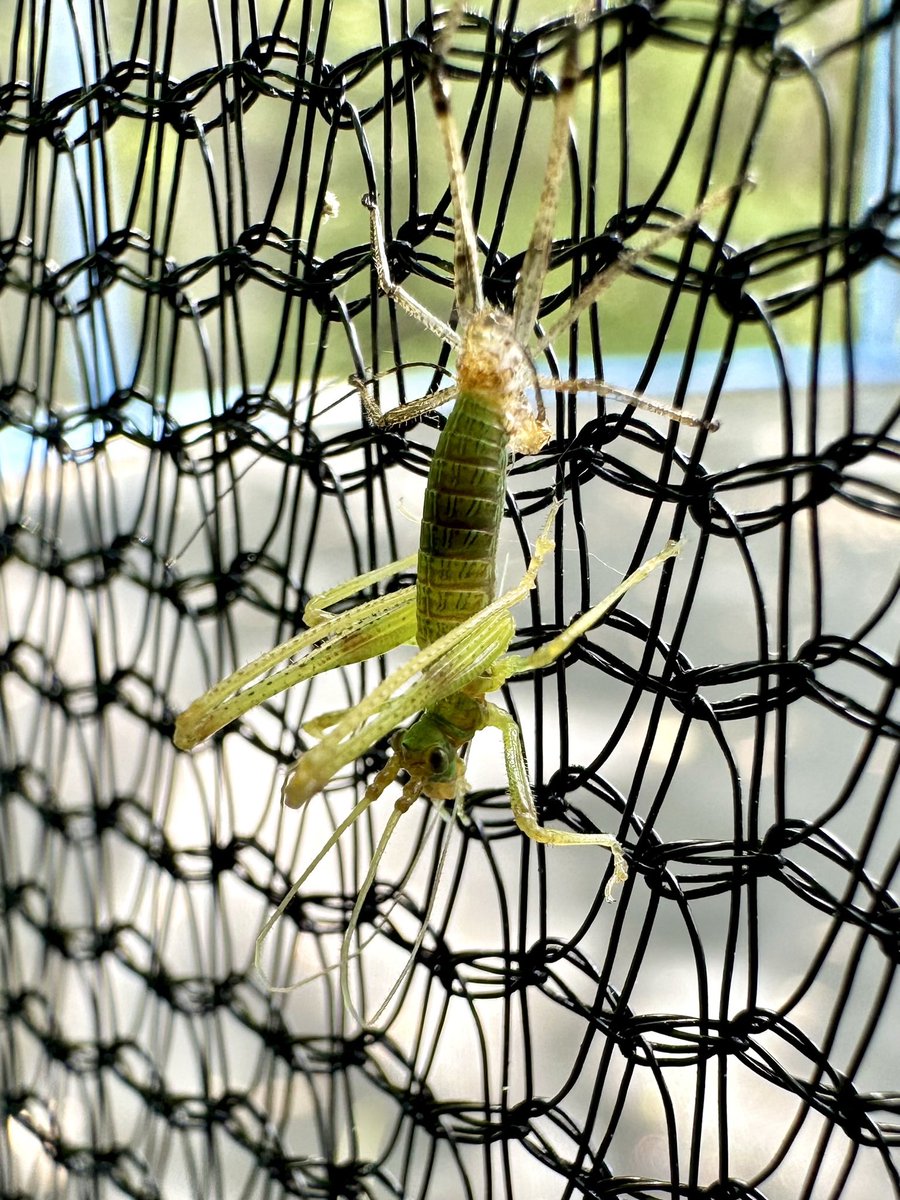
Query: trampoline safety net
x: 186, y: 286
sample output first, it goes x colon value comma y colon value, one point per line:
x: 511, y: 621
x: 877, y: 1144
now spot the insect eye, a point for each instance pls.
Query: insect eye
x: 438, y: 761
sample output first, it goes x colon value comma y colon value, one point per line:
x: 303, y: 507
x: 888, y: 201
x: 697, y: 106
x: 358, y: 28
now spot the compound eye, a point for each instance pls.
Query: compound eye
x: 438, y: 761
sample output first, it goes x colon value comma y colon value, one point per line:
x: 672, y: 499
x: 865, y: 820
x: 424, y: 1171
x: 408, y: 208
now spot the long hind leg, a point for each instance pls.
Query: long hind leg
x: 366, y: 631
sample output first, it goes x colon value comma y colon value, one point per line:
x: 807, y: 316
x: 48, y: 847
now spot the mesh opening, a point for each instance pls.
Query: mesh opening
x: 184, y: 465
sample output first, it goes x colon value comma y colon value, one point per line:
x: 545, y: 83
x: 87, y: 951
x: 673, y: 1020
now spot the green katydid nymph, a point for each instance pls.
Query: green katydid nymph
x: 463, y: 630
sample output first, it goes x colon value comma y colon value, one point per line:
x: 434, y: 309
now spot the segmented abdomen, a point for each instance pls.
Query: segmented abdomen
x: 461, y: 521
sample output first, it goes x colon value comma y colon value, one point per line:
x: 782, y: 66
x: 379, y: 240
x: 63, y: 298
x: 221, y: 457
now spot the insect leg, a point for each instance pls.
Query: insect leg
x: 425, y: 404
x: 516, y: 664
x: 626, y: 263
x: 523, y: 808
x: 466, y: 276
x: 315, y: 611
x: 403, y: 413
x: 364, y: 632
x: 550, y: 383
x: 537, y: 257
x: 394, y: 291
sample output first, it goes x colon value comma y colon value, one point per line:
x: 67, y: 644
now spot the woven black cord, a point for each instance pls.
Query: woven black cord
x: 182, y: 465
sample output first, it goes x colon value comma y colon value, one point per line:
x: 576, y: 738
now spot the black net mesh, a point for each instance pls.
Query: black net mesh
x: 183, y: 465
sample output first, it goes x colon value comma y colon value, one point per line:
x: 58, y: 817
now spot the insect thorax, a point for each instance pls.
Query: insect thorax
x: 496, y: 367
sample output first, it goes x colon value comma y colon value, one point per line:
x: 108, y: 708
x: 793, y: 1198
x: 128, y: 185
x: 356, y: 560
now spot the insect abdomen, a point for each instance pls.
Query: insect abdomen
x: 461, y: 521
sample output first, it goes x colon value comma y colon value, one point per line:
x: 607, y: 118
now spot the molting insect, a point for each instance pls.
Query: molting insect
x: 463, y: 630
